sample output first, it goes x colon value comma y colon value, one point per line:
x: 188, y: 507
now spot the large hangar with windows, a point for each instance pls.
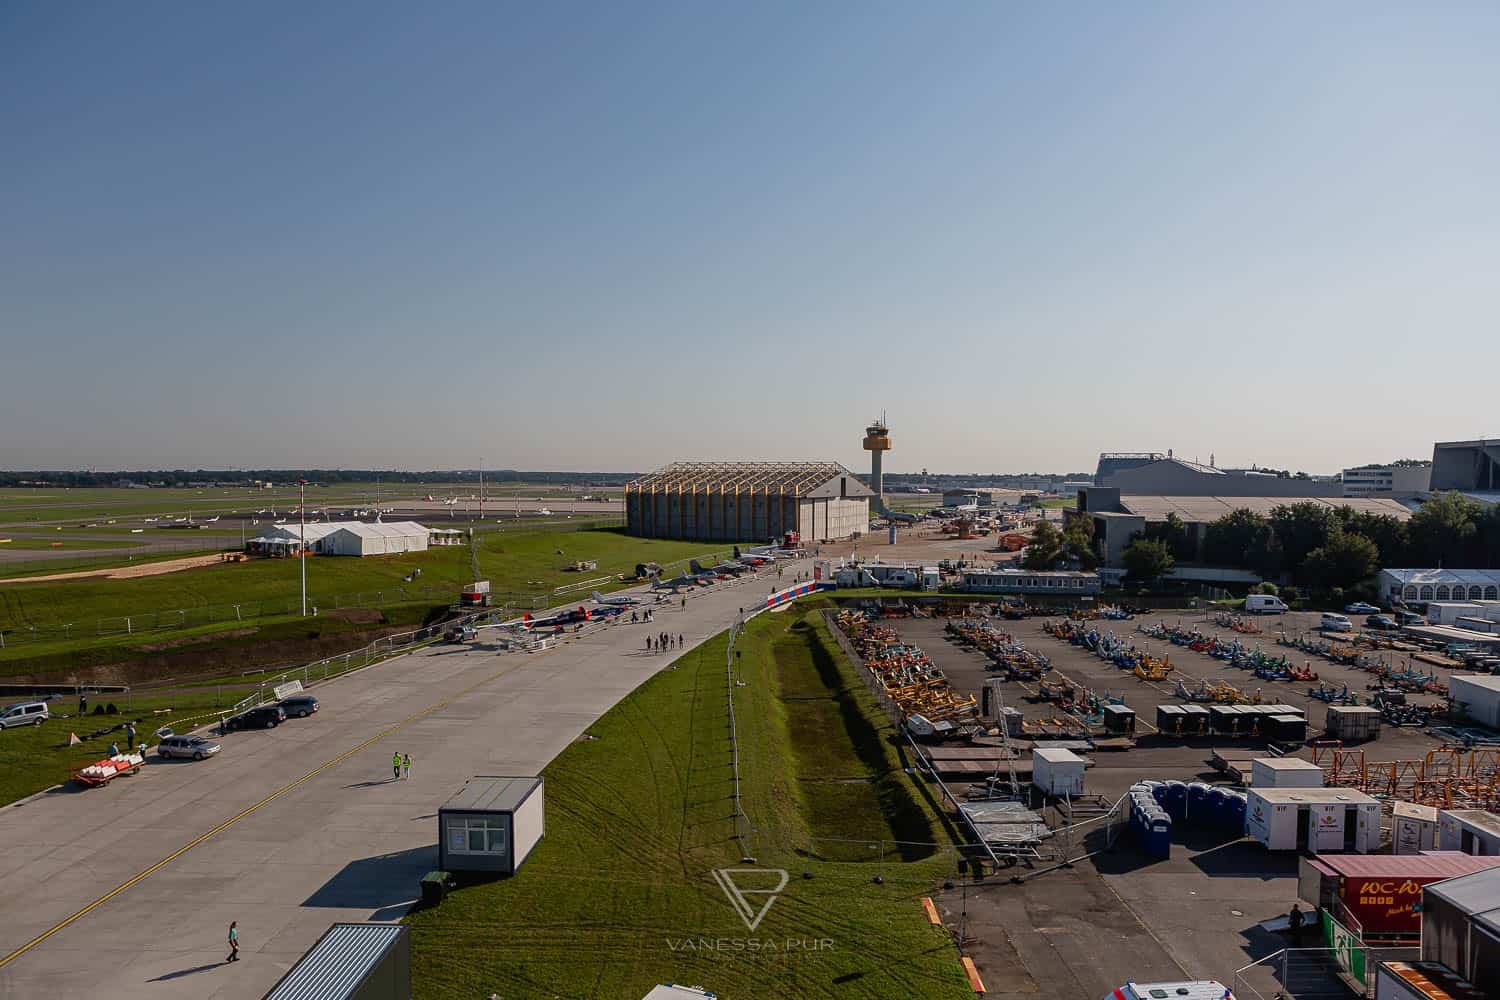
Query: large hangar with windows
x: 747, y: 501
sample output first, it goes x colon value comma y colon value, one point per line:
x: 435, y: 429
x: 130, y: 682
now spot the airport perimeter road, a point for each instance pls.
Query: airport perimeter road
x: 128, y: 890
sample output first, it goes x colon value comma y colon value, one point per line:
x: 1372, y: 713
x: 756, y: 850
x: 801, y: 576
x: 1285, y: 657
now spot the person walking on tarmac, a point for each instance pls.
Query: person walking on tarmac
x: 396, y: 765
x: 406, y: 765
x: 234, y: 942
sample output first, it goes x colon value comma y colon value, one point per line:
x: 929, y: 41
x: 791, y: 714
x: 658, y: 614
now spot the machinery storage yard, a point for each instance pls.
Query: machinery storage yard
x: 1202, y: 905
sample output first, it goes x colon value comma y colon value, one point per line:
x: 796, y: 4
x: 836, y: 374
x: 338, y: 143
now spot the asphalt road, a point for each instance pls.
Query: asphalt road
x: 128, y: 890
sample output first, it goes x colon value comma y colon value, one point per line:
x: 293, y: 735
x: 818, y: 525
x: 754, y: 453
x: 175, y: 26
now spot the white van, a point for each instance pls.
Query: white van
x: 27, y: 713
x: 1265, y: 604
x: 1336, y: 623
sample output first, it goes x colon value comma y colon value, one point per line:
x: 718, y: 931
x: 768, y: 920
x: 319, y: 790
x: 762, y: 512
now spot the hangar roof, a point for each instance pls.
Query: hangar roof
x: 798, y: 478
x: 1204, y: 509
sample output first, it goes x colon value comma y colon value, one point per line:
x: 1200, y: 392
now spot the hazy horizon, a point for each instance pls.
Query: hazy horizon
x: 605, y: 238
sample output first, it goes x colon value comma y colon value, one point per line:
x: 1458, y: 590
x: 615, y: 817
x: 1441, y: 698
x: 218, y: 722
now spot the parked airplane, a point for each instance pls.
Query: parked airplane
x: 617, y: 602
x: 719, y: 569
x: 678, y: 582
x: 212, y: 519
x: 903, y: 518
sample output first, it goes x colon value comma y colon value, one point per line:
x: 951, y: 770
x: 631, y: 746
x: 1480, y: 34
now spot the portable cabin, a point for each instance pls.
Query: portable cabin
x: 1285, y: 772
x: 491, y: 825
x: 1473, y: 831
x: 1461, y: 927
x: 1319, y: 820
x: 1057, y: 772
x: 1414, y: 828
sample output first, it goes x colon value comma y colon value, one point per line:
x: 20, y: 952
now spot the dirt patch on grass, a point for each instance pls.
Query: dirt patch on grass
x: 193, y: 640
x: 219, y: 655
x: 358, y: 616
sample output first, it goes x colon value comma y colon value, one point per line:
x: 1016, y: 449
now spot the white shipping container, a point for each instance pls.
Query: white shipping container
x: 1057, y: 772
x: 1285, y: 772
x: 1477, y: 696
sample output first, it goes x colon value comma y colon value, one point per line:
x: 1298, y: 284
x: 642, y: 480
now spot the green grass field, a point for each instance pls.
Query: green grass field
x: 45, y: 544
x: 619, y: 895
x: 517, y: 562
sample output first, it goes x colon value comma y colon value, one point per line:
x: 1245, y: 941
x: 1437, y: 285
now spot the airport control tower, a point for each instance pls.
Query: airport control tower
x: 877, y: 442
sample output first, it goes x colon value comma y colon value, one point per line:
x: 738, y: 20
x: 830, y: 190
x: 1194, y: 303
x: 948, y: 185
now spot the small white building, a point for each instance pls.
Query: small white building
x: 1057, y: 772
x: 1473, y: 831
x: 1285, y: 772
x: 1318, y: 820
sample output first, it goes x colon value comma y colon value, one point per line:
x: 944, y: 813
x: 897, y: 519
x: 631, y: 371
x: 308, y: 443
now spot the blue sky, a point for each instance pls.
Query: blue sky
x: 607, y: 236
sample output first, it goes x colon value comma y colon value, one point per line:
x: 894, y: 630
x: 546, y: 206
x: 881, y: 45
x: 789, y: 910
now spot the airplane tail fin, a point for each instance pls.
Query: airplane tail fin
x: 693, y: 564
x: 736, y: 551
x: 598, y: 597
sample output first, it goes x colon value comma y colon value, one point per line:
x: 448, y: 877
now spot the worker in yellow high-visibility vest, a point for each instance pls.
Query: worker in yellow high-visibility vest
x: 396, y: 765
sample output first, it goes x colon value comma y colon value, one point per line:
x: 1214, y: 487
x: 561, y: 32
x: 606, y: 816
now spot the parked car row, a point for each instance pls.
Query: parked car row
x: 270, y: 716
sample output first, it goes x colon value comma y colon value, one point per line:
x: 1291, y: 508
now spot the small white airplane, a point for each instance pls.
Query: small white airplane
x: 545, y: 512
x: 212, y: 519
x: 451, y: 502
x: 616, y: 602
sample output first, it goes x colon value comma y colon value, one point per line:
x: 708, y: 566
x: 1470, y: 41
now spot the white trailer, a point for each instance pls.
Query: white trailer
x: 1057, y: 772
x: 1414, y: 828
x: 1318, y: 820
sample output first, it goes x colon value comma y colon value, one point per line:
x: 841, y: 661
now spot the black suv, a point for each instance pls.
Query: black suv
x: 298, y: 706
x: 264, y: 717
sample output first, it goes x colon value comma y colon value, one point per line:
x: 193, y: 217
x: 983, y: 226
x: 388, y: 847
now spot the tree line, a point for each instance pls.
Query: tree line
x: 1324, y: 549
x: 181, y: 477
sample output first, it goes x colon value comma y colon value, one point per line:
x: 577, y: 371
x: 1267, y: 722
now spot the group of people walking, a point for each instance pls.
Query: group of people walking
x: 663, y: 641
x: 400, y: 762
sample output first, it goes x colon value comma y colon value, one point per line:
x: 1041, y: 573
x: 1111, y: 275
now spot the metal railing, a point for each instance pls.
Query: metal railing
x: 1317, y: 973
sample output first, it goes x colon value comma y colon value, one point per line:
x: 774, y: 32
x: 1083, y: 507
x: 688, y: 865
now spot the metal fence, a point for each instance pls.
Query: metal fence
x: 1341, y: 973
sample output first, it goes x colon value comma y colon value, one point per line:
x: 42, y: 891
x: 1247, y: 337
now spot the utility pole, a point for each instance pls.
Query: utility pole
x: 302, y: 533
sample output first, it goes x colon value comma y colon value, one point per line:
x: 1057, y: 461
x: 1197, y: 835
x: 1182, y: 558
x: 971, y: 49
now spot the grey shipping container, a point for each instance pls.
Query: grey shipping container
x: 1353, y: 723
x: 351, y: 962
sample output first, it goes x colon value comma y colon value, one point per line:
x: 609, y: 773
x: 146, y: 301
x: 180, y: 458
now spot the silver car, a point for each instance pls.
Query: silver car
x: 196, y: 747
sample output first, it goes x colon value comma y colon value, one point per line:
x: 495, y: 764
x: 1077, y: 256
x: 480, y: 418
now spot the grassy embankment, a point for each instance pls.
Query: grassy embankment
x: 619, y: 896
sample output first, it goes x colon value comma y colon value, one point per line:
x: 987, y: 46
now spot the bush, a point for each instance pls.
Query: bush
x: 1290, y: 594
x: 1266, y: 587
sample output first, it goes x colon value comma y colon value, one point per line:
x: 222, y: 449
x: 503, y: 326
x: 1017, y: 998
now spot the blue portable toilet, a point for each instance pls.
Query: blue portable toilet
x: 1158, y: 837
x: 1197, y: 802
x: 1159, y: 792
x: 1176, y: 799
x: 1238, y: 803
x: 1218, y: 807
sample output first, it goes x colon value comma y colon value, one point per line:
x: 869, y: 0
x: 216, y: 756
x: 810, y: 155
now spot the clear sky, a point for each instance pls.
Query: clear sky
x: 604, y: 236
